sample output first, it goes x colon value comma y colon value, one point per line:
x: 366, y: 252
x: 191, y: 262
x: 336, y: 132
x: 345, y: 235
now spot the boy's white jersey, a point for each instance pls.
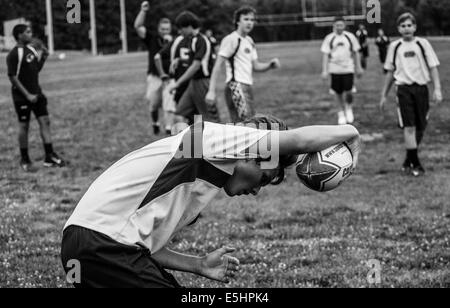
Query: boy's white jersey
x: 411, y: 61
x: 340, y: 49
x: 151, y: 194
x: 240, y: 52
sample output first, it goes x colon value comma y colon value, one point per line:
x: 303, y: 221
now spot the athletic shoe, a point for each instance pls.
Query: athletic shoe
x: 407, y: 166
x: 349, y: 115
x: 417, y: 171
x: 54, y: 160
x: 354, y: 90
x: 156, y: 129
x: 342, y: 120
x: 27, y: 167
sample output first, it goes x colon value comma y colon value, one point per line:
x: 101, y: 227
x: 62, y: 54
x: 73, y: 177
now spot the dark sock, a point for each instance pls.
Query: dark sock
x: 349, y: 98
x: 48, y: 147
x: 414, y: 157
x: 155, y: 117
x: 24, y: 155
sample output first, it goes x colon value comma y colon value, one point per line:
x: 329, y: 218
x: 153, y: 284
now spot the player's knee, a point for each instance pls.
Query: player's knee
x: 410, y: 130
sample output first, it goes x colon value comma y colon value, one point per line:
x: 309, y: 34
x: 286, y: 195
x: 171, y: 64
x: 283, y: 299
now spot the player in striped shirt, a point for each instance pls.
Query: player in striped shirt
x: 121, y: 228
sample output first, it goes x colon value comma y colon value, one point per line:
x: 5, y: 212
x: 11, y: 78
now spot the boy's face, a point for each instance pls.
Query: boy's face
x: 165, y: 29
x: 187, y: 31
x: 26, y: 37
x: 380, y: 32
x: 407, y: 29
x: 339, y: 27
x: 247, y: 23
x: 248, y: 178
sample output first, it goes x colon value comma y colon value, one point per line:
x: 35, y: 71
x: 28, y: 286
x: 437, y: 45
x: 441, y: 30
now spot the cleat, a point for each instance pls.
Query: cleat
x: 27, y: 167
x: 349, y: 115
x: 407, y: 166
x: 417, y: 171
x: 156, y: 129
x: 54, y: 161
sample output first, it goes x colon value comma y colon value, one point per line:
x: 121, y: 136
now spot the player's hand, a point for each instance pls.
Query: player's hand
x: 173, y: 88
x: 383, y: 103
x: 220, y: 266
x: 145, y: 6
x: 437, y: 96
x: 32, y: 98
x: 210, y: 98
x: 275, y: 63
x: 359, y: 72
x: 325, y: 75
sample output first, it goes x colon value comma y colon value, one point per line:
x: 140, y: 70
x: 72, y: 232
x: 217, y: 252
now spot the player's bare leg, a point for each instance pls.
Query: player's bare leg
x: 25, y: 162
x: 341, y: 111
x: 349, y: 107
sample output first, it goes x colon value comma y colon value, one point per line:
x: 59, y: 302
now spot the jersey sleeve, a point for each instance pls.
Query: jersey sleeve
x: 228, y: 47
x: 355, y: 43
x: 326, y: 45
x: 12, y: 62
x: 432, y: 58
x: 229, y: 142
x: 389, y: 64
x: 200, y: 49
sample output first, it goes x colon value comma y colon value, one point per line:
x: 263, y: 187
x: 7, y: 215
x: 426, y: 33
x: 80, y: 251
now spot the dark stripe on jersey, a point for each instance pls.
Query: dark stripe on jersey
x: 185, y: 170
x: 423, y: 53
x: 232, y: 61
x: 395, y: 55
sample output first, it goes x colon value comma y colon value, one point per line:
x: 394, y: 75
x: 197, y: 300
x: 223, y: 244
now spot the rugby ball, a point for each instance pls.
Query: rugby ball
x: 325, y: 170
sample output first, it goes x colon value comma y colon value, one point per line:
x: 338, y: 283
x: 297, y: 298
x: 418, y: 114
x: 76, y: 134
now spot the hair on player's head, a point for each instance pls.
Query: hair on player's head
x: 18, y: 30
x: 339, y: 19
x: 406, y: 16
x: 164, y: 21
x: 244, y: 10
x: 187, y: 19
x: 268, y: 122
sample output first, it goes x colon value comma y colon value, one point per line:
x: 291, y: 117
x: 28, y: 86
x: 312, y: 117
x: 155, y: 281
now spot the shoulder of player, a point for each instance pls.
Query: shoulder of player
x: 423, y: 41
x: 330, y: 36
x: 349, y: 34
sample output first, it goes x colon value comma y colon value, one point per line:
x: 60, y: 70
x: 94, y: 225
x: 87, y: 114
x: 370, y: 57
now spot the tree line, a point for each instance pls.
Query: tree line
x: 215, y: 14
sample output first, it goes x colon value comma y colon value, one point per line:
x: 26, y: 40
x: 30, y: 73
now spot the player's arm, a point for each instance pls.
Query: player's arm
x: 325, y: 61
x: 160, y: 68
x: 139, y: 23
x: 261, y: 67
x: 437, y: 96
x: 389, y: 82
x: 313, y: 139
x: 216, y: 266
x: 211, y: 96
x: 359, y: 69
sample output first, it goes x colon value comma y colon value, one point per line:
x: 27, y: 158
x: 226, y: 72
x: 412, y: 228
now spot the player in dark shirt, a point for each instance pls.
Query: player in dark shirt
x: 383, y: 43
x: 154, y: 43
x: 24, y: 63
x: 196, y: 50
x: 362, y: 36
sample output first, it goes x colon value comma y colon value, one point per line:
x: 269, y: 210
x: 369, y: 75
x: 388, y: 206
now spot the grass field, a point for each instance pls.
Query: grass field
x: 288, y: 236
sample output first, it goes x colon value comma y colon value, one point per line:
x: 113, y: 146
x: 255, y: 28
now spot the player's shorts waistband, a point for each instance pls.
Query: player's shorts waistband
x: 414, y: 85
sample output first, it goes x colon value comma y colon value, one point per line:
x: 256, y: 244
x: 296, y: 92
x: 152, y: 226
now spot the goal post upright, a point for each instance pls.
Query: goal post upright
x: 49, y: 27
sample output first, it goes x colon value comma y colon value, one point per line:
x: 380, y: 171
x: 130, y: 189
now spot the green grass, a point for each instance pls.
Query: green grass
x: 288, y: 236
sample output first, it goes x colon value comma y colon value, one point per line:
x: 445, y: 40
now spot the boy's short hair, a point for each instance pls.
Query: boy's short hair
x: 268, y: 122
x: 244, y: 10
x: 164, y: 20
x: 339, y: 18
x: 18, y: 30
x: 406, y: 16
x: 187, y: 19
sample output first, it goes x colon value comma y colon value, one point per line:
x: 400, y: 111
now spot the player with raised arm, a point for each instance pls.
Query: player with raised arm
x: 121, y: 228
x: 238, y: 51
x: 341, y: 60
x: 154, y: 43
x: 25, y: 62
x: 411, y: 64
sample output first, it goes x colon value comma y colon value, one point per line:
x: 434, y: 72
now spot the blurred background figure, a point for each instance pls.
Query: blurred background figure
x: 382, y: 42
x: 362, y: 36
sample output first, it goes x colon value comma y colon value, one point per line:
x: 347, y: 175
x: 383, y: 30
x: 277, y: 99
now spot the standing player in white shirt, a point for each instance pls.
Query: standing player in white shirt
x: 238, y: 51
x: 341, y: 59
x: 412, y: 63
x: 121, y: 229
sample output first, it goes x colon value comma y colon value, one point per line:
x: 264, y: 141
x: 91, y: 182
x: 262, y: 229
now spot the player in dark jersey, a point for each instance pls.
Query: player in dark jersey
x: 196, y: 50
x: 382, y: 42
x: 25, y: 62
x: 154, y: 43
x: 362, y: 36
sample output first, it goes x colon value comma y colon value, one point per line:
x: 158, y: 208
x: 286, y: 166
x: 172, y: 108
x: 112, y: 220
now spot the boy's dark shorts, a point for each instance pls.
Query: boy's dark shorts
x: 105, y: 263
x: 24, y: 107
x: 341, y: 83
x: 414, y: 105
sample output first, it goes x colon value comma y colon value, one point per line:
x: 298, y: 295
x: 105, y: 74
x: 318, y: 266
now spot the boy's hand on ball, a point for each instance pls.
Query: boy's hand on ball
x: 219, y: 265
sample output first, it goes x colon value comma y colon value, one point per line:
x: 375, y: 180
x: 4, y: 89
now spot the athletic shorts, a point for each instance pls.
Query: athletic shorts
x: 239, y: 98
x: 105, y: 263
x: 168, y: 99
x: 154, y: 92
x: 193, y: 102
x: 341, y: 83
x: 413, y: 106
x: 24, y: 108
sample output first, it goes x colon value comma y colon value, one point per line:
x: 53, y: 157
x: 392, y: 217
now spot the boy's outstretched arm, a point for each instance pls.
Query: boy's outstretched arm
x: 387, y: 87
x: 217, y: 266
x: 211, y: 96
x: 313, y: 139
x: 437, y: 96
